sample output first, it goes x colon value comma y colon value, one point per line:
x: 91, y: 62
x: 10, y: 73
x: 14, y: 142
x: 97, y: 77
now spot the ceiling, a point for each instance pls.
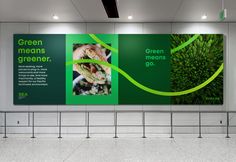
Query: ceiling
x: 93, y: 11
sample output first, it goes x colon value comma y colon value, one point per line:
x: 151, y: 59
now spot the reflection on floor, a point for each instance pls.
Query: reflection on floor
x: 183, y: 148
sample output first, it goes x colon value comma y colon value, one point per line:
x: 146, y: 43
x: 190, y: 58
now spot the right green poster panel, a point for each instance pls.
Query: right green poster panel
x: 173, y: 69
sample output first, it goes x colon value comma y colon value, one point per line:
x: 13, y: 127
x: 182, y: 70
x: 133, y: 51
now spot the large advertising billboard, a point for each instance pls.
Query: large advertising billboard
x: 118, y: 69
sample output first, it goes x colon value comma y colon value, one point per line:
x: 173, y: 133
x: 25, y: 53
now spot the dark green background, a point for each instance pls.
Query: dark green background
x: 132, y: 61
x: 54, y: 93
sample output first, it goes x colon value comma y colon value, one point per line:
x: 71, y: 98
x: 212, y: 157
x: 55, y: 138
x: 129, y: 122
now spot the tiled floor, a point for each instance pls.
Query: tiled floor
x: 125, y: 149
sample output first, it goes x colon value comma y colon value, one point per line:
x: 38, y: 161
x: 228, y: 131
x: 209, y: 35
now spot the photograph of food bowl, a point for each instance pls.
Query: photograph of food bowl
x: 91, y: 78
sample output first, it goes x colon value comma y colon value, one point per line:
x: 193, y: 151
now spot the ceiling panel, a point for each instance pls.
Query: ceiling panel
x: 37, y: 11
x: 142, y: 10
x: 148, y: 10
x: 93, y: 10
x: 192, y: 10
x: 231, y: 7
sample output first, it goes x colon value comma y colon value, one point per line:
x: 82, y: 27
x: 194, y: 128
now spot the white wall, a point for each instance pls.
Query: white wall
x: 6, y: 80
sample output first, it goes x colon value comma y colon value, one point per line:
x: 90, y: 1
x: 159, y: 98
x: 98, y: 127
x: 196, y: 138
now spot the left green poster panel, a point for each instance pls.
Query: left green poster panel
x: 39, y: 69
x: 48, y: 69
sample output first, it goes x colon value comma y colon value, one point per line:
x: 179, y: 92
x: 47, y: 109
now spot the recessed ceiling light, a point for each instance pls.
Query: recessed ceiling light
x: 130, y: 17
x: 204, y: 17
x: 55, y: 17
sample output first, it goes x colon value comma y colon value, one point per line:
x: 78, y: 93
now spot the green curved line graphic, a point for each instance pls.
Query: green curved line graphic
x: 185, y: 43
x: 147, y: 89
x: 93, y: 36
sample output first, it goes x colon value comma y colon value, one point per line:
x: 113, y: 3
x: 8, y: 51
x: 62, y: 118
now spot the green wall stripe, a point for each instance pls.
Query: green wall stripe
x: 94, y: 37
x: 185, y: 43
x: 147, y: 89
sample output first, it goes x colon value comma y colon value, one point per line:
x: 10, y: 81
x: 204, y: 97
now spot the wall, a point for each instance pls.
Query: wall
x: 6, y: 80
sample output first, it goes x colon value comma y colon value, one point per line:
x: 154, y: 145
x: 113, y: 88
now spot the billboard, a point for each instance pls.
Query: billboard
x: 118, y: 69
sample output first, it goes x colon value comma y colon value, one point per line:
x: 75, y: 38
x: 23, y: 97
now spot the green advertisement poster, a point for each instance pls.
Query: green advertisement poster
x: 112, y: 69
x: 39, y: 69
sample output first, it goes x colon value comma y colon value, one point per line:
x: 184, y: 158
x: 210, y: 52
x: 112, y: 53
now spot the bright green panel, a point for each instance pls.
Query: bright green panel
x: 71, y: 98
